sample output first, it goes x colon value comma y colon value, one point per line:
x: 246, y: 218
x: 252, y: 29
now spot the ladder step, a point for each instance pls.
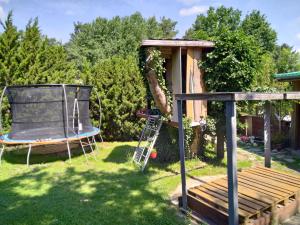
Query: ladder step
x: 147, y: 140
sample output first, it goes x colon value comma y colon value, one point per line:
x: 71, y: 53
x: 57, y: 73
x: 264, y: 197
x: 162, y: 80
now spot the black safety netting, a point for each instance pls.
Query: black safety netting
x: 40, y: 112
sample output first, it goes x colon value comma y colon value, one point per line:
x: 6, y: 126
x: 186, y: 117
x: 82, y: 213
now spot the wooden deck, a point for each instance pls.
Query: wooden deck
x: 263, y: 195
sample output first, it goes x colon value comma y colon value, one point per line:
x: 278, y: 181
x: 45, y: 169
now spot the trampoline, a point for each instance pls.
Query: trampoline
x: 49, y: 114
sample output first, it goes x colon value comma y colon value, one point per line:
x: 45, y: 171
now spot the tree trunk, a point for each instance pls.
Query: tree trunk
x: 220, y: 142
x: 160, y: 98
x: 158, y: 94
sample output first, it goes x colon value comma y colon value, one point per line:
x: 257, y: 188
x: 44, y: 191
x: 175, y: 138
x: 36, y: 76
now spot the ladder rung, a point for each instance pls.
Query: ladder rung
x: 87, y: 144
x: 147, y: 140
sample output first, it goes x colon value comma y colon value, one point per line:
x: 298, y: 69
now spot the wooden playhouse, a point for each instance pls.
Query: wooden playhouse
x: 182, y: 72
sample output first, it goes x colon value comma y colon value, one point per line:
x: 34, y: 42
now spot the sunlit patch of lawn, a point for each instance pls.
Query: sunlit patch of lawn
x: 109, y: 190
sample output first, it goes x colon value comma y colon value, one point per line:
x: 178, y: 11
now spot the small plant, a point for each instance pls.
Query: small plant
x: 279, y: 141
x: 188, y: 136
x: 245, y: 139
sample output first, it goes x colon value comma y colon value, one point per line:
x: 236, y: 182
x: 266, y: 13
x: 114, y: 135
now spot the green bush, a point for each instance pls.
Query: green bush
x: 122, y: 92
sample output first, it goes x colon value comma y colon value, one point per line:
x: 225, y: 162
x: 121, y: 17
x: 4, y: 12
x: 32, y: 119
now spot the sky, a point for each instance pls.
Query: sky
x: 57, y: 18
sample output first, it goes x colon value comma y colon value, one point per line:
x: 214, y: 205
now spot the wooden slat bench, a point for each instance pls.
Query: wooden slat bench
x: 262, y: 193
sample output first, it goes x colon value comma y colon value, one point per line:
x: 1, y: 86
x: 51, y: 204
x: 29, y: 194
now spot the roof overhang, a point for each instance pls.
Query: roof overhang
x: 177, y: 43
x: 292, y: 76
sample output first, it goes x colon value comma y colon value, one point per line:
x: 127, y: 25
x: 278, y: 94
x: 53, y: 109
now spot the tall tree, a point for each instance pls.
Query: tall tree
x: 231, y: 66
x: 9, y: 44
x: 256, y: 24
x: 28, y: 57
x: 217, y: 21
x: 286, y: 59
x: 29, y: 52
x: 168, y: 28
x: 104, y: 38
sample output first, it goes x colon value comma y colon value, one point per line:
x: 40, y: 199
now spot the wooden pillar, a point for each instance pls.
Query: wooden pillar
x: 182, y: 154
x: 232, y: 162
x: 295, y: 129
x: 195, y: 84
x: 267, y: 134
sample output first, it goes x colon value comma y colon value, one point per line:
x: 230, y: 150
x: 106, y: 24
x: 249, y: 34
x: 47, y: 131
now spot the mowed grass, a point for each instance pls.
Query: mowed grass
x: 109, y: 190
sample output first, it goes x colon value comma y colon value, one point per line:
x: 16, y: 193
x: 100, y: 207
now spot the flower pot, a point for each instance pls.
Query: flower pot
x: 153, y: 155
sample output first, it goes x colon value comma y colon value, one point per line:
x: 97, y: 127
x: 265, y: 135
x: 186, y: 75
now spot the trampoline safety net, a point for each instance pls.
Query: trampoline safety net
x: 41, y: 112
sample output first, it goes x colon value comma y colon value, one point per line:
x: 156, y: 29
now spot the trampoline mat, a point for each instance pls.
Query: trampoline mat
x: 50, y: 133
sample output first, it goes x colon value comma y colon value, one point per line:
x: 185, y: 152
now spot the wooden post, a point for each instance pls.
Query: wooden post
x: 232, y: 162
x: 182, y: 155
x: 267, y: 134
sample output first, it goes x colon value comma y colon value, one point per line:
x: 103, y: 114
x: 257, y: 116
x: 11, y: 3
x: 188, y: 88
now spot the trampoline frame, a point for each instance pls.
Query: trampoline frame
x: 67, y: 139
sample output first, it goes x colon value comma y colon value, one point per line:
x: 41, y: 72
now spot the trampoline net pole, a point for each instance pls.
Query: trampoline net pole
x: 66, y: 111
x: 1, y: 100
x: 100, y: 114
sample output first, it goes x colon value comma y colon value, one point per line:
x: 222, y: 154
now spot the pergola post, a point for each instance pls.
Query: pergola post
x: 182, y: 155
x: 267, y: 133
x: 232, y: 162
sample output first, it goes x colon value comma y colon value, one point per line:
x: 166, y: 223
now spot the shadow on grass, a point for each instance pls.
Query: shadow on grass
x: 120, y: 154
x: 209, y: 159
x: 19, y: 156
x: 75, y: 197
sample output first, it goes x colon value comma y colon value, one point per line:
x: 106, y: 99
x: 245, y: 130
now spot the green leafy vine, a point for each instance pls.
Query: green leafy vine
x: 157, y: 65
x: 188, y: 136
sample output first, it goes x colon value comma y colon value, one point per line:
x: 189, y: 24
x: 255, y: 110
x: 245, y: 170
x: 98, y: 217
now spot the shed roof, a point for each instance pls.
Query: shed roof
x: 291, y: 76
x: 177, y: 43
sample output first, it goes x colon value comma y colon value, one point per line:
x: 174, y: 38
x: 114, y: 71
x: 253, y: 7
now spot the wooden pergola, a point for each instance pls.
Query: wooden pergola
x: 230, y: 99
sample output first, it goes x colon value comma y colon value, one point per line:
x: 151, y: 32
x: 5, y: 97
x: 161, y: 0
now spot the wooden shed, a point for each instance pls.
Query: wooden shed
x: 294, y: 78
x: 182, y: 72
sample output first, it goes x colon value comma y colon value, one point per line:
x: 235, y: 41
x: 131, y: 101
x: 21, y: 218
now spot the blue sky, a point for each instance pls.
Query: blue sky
x: 56, y: 18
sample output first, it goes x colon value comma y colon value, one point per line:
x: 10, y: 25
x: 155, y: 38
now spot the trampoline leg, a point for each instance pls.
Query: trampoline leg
x: 82, y: 147
x: 90, y: 144
x: 1, y: 152
x: 28, y: 154
x: 94, y: 140
x: 69, y: 151
x: 100, y: 137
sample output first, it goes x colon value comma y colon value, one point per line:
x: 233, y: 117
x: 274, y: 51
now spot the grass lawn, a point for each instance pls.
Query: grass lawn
x: 107, y: 191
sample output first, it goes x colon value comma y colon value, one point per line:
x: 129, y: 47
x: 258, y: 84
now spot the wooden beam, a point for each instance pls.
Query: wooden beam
x: 195, y: 84
x: 177, y: 43
x: 206, y: 96
x: 176, y: 79
x: 267, y: 134
x: 190, y: 83
x: 239, y: 96
x: 232, y: 162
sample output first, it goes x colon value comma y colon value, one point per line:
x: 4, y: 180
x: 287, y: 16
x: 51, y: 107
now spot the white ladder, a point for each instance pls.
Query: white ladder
x: 147, y: 141
x: 88, y: 143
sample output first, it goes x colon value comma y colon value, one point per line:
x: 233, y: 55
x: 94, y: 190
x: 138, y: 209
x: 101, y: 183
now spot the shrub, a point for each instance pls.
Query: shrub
x: 120, y: 87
